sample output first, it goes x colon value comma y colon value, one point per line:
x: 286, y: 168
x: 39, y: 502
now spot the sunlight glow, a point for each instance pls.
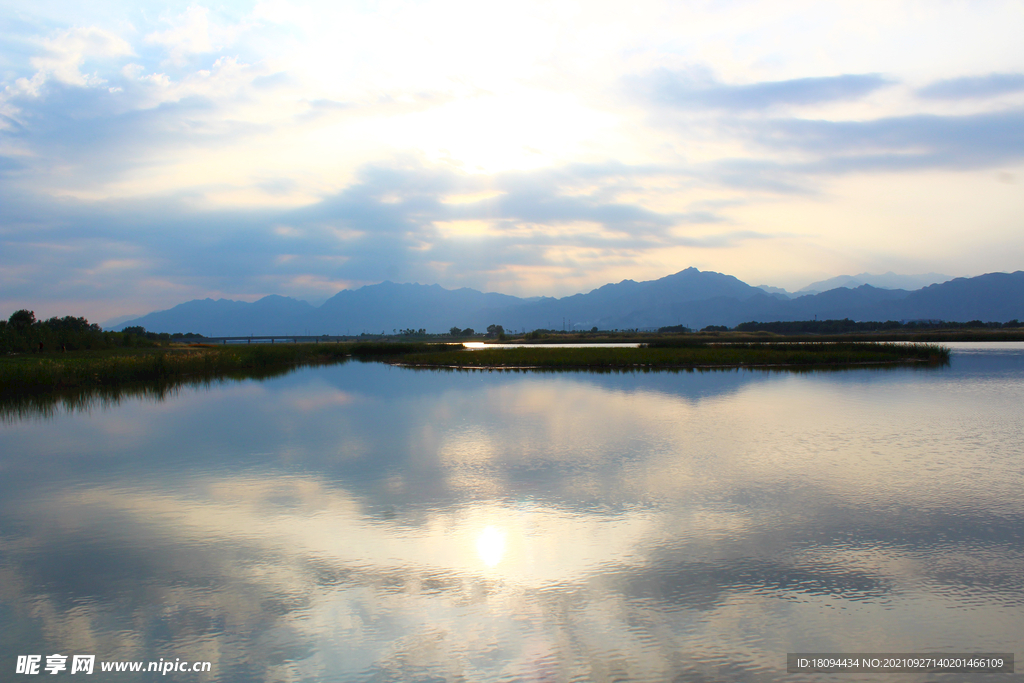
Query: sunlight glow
x: 473, y: 228
x: 490, y: 545
x: 518, y: 129
x: 531, y: 148
x: 472, y: 197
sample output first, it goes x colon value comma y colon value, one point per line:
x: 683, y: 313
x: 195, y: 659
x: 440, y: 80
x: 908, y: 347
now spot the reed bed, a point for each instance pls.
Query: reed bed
x: 387, y: 349
x: 38, y: 385
x: 686, y: 356
x: 26, y: 374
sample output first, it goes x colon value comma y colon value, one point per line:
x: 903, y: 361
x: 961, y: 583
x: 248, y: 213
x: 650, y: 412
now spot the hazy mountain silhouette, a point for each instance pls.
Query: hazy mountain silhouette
x: 991, y: 297
x: 654, y: 303
x: 690, y: 297
x: 888, y: 280
x: 777, y: 292
x: 390, y: 306
x: 270, y: 315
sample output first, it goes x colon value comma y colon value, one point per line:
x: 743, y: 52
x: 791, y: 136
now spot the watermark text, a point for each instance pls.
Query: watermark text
x: 86, y: 664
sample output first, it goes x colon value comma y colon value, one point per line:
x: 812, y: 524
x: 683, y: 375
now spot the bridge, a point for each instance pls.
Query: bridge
x: 273, y: 339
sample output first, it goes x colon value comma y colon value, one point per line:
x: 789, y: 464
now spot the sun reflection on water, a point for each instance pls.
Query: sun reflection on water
x: 490, y: 545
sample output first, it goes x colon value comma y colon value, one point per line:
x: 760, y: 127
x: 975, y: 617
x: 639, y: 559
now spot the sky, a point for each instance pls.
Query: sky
x: 154, y: 153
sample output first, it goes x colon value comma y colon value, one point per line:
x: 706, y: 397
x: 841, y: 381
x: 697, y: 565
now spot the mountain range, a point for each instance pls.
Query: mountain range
x: 691, y: 297
x: 888, y: 280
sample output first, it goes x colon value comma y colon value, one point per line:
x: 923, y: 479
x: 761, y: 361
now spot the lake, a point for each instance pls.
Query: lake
x: 362, y: 522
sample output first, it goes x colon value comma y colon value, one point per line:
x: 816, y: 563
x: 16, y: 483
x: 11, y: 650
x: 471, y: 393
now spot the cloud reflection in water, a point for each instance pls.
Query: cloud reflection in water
x: 370, y: 523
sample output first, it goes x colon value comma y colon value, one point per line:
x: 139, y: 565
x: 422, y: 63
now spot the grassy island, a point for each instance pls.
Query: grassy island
x: 682, y: 354
x: 163, y: 365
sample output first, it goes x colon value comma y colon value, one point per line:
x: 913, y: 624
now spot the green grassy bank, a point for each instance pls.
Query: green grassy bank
x: 43, y: 384
x: 163, y: 368
x: 42, y: 372
x: 162, y: 365
x: 684, y: 355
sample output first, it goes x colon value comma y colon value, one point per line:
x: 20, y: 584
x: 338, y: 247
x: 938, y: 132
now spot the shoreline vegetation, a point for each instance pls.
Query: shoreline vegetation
x: 732, y: 336
x: 157, y: 364
x: 165, y: 365
x: 64, y: 359
x: 682, y: 354
x: 37, y: 384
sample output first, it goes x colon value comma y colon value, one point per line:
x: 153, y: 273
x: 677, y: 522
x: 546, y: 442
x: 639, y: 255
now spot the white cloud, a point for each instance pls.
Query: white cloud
x: 188, y: 35
x: 66, y: 52
x: 226, y: 110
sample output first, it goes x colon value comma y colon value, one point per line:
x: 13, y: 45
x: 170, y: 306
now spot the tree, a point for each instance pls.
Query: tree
x: 495, y: 331
x: 455, y: 332
x: 468, y: 332
x: 22, y: 320
x: 70, y: 323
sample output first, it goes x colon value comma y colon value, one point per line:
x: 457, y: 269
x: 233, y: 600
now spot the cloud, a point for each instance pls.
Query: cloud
x: 424, y: 150
x: 63, y: 55
x: 782, y: 154
x: 67, y: 51
x: 8, y: 164
x: 100, y: 136
x: 322, y: 107
x: 899, y: 143
x: 722, y: 240
x: 697, y: 89
x: 388, y: 224
x: 762, y: 176
x: 973, y: 87
x: 189, y: 35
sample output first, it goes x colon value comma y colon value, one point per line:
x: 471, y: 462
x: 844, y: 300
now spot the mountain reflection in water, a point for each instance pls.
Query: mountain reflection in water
x: 363, y: 522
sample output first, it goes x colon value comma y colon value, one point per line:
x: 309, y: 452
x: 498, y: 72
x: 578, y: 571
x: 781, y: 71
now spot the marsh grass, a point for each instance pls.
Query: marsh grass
x: 42, y: 385
x: 686, y: 356
x: 28, y: 373
x: 388, y: 349
x: 31, y: 373
x: 46, y: 404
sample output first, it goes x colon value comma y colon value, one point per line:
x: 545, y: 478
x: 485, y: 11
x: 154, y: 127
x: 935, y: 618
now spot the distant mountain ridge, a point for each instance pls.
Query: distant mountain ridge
x: 270, y: 315
x: 888, y: 280
x: 691, y: 297
x: 389, y: 306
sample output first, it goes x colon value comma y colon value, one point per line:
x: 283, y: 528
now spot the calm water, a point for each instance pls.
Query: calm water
x: 367, y: 523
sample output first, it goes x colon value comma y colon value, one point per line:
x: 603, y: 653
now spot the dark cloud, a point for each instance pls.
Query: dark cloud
x: 104, y: 135
x: 394, y: 210
x: 396, y: 199
x: 757, y: 175
x: 898, y: 143
x: 696, y: 89
x: 973, y: 87
x: 537, y: 205
x: 796, y: 153
x: 383, y: 226
x: 914, y: 142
